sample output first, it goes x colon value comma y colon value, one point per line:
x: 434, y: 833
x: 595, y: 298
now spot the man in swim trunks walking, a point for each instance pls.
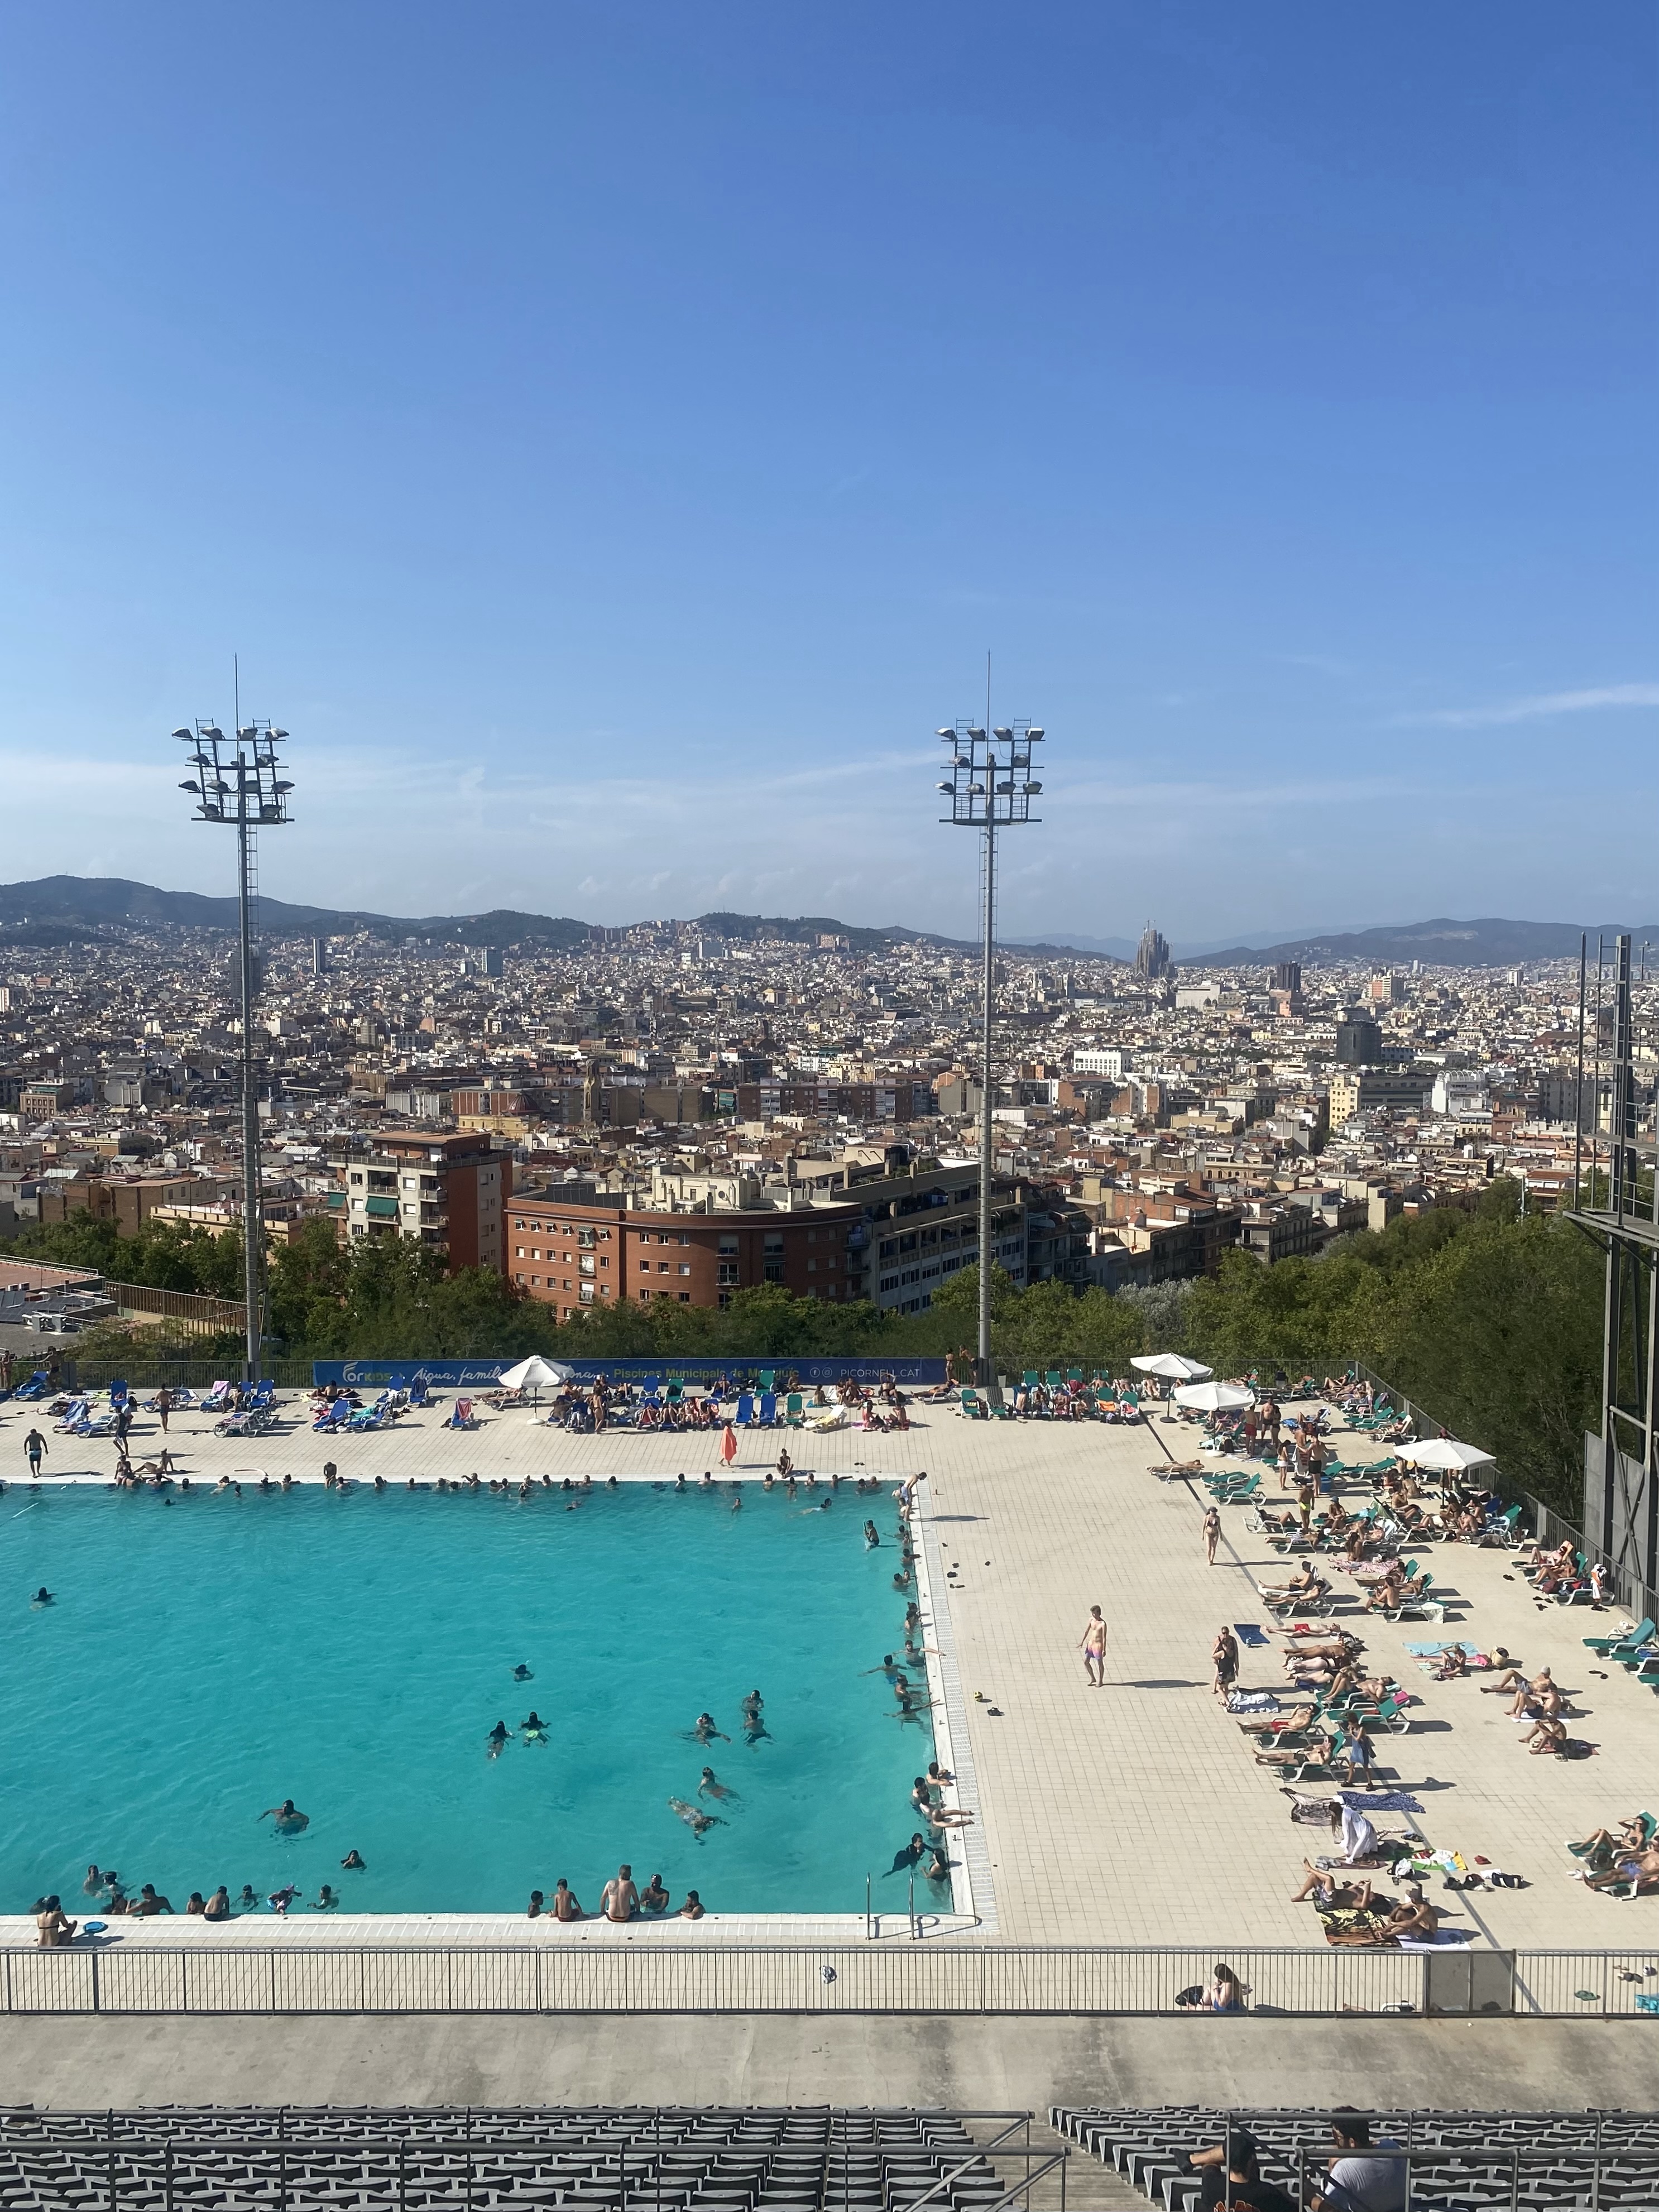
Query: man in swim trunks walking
x: 1092, y: 1645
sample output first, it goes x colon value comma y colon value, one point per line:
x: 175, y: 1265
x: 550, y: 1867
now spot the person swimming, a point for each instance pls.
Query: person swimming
x: 872, y: 1537
x: 288, y: 1819
x: 706, y: 1731
x: 325, y: 1900
x: 248, y: 1902
x: 534, y: 1730
x: 353, y: 1862
x: 751, y: 1706
x: 712, y: 1786
x: 498, y: 1738
x: 694, y: 1820
x: 43, y: 1596
x: 913, y: 1852
x: 522, y: 1674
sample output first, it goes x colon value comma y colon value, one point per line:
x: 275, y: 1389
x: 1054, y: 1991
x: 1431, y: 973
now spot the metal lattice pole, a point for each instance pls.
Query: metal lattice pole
x: 238, y: 781
x: 990, y: 787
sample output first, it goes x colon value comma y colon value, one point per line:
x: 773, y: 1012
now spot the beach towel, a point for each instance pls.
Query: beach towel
x: 1248, y: 1634
x: 1252, y: 1701
x: 1380, y: 1801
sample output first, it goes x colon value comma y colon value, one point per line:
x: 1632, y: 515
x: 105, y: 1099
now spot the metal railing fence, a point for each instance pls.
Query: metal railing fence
x: 939, y: 1976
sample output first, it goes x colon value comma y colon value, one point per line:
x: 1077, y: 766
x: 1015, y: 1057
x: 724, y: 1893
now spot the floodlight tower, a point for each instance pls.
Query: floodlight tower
x: 990, y: 787
x: 238, y: 780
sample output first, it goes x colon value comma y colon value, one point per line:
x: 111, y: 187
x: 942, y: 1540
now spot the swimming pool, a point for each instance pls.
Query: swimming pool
x: 207, y: 1658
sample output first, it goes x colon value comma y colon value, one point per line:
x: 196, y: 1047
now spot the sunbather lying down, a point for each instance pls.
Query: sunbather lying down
x: 1634, y: 1872
x: 1410, y: 1918
x: 1291, y: 1724
x: 1179, y: 1466
x: 1303, y: 1583
x: 1318, y: 1750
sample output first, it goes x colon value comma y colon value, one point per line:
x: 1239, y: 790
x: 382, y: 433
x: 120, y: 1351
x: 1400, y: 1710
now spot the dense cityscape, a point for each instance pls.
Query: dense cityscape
x: 777, y: 1111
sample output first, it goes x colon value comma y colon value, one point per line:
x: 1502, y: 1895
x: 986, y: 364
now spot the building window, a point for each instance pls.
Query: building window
x: 685, y: 1298
x: 727, y: 1272
x: 685, y: 1269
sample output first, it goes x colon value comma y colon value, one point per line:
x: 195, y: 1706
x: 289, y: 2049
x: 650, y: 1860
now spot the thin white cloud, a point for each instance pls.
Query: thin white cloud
x: 1540, y: 705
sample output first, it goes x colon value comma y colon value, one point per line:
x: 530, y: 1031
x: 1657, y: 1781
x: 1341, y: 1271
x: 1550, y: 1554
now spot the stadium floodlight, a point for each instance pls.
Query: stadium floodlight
x: 989, y: 791
x: 246, y: 766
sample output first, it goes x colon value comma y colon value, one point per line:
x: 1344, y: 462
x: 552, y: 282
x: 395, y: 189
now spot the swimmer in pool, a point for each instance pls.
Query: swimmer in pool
x: 751, y: 1706
x: 522, y: 1674
x: 534, y: 1730
x: 712, y: 1786
x: 280, y: 1899
x: 42, y: 1596
x: 498, y: 1738
x: 247, y: 1902
x: 325, y: 1900
x: 872, y: 1538
x: 353, y: 1862
x: 654, y: 1897
x: 889, y: 1667
x: 706, y: 1731
x: 695, y: 1821
x: 288, y: 1818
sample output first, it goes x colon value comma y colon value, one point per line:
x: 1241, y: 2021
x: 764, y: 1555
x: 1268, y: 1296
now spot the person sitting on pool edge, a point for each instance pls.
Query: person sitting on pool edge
x: 619, y: 1900
x: 654, y: 1897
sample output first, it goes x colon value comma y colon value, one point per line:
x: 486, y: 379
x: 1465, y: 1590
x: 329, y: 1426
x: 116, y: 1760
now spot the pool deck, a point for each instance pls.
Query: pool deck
x: 1131, y: 1814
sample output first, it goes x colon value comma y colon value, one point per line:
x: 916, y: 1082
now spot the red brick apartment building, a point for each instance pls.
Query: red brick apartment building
x: 572, y: 1256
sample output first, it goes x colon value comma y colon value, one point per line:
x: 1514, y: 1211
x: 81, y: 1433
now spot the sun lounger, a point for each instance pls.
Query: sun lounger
x: 793, y: 1410
x: 745, y: 1413
x: 461, y: 1415
x: 1613, y: 1647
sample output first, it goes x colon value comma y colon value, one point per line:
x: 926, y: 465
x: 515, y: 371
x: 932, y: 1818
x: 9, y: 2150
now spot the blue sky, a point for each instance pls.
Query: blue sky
x: 612, y: 436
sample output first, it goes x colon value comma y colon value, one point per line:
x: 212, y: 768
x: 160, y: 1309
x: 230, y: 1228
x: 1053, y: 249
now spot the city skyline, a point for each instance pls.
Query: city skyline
x: 612, y: 447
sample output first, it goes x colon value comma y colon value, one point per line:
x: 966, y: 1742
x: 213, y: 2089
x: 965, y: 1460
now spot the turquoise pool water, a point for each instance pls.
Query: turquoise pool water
x: 208, y: 1658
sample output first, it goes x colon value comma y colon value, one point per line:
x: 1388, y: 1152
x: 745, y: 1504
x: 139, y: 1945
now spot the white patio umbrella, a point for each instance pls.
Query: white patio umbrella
x: 1213, y: 1397
x: 1442, y: 1451
x: 535, y: 1374
x: 1172, y: 1366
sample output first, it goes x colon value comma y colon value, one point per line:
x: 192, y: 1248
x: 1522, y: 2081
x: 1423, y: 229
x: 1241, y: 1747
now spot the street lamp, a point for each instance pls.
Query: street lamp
x: 990, y: 784
x: 239, y: 780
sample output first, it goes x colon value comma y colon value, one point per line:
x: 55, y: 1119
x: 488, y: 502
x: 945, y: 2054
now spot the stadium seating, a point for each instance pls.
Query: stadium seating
x: 1466, y: 2163
x: 348, y: 2158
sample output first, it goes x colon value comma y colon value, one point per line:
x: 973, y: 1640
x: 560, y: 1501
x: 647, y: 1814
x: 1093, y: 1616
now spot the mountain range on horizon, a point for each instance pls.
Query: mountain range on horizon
x: 64, y: 909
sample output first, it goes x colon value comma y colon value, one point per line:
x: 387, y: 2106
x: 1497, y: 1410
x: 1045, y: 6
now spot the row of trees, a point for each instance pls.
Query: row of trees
x: 1488, y: 1318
